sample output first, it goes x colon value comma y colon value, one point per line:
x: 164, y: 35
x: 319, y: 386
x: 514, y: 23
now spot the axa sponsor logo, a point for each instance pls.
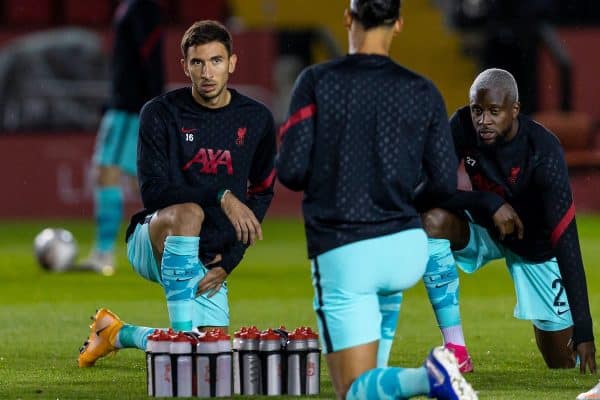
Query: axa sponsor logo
x: 209, y: 161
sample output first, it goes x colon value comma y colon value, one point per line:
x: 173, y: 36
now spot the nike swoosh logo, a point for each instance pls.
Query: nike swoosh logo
x: 439, y: 285
x: 99, y: 331
x: 188, y: 130
x: 561, y: 312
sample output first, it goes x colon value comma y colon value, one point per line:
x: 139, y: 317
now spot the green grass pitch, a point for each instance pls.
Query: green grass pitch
x: 44, y: 318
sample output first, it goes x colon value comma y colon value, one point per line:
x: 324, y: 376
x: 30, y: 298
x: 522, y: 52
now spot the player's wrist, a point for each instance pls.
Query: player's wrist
x: 221, y: 195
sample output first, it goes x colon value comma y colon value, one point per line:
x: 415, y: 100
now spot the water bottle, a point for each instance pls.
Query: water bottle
x: 206, y: 364
x: 181, y: 350
x: 223, y: 371
x: 296, y: 363
x: 163, y: 379
x: 150, y: 350
x: 313, y: 362
x: 235, y: 347
x: 270, y: 354
x: 250, y: 375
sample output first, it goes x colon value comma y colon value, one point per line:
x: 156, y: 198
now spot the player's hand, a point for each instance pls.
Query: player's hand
x: 587, y: 357
x: 247, y: 227
x: 507, y: 221
x: 213, y: 280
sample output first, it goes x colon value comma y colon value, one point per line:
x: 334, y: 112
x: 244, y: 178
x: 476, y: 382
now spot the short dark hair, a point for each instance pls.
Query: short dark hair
x: 374, y: 13
x: 206, y: 31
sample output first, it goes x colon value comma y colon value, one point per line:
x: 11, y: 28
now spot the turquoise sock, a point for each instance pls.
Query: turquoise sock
x: 389, y: 384
x: 180, y: 271
x: 441, y: 282
x: 132, y: 336
x: 108, y: 213
x: 389, y: 307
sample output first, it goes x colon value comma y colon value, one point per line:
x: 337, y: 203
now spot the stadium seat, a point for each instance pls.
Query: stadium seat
x: 77, y: 12
x: 189, y: 11
x: 575, y: 132
x: 28, y: 12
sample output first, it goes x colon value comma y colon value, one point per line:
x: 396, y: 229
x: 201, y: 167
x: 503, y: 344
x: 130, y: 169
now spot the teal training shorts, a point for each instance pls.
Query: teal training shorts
x: 540, y: 294
x: 213, y: 311
x: 349, y: 280
x: 116, y: 143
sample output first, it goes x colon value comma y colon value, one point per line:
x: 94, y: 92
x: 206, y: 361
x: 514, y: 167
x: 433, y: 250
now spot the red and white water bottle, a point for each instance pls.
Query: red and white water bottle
x: 296, y: 362
x: 313, y: 362
x: 270, y: 354
x: 163, y: 379
x: 206, y: 364
x: 250, y: 374
x: 235, y: 347
x: 223, y: 371
x: 181, y: 351
x: 150, y: 345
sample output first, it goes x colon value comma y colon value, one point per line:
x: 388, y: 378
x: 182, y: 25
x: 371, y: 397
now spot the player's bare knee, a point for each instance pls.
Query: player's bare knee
x: 559, y: 359
x: 436, y: 223
x: 182, y: 219
x: 553, y: 346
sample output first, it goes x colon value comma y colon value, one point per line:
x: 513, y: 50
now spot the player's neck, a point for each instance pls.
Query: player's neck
x: 222, y: 100
x: 375, y: 41
x: 513, y: 132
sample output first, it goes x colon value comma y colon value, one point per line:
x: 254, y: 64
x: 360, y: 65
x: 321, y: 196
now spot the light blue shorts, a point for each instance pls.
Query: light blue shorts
x: 116, y: 143
x: 538, y: 286
x: 350, y: 280
x: 213, y: 311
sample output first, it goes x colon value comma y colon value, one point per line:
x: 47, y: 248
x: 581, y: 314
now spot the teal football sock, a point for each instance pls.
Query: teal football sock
x: 389, y: 384
x: 389, y: 307
x: 108, y: 213
x: 180, y: 272
x: 441, y: 282
x: 132, y: 336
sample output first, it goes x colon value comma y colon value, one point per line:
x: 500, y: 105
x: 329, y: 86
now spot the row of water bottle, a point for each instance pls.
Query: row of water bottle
x: 270, y: 362
x: 276, y: 361
x: 187, y: 364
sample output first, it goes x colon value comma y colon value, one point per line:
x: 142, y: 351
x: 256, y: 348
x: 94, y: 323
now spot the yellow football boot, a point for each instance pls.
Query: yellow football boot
x: 103, y: 334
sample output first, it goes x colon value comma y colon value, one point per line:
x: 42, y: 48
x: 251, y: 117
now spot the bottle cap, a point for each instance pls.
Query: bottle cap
x: 250, y: 335
x: 310, y: 334
x: 297, y: 334
x: 182, y: 337
x: 269, y: 334
x: 239, y: 332
x: 207, y: 337
x: 154, y: 335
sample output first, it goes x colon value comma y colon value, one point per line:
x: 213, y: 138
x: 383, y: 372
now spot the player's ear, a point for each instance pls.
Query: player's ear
x: 516, y: 108
x: 347, y: 19
x: 232, y: 63
x: 184, y: 66
x: 398, y: 25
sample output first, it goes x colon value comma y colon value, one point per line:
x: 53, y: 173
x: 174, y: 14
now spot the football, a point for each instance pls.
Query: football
x: 55, y: 249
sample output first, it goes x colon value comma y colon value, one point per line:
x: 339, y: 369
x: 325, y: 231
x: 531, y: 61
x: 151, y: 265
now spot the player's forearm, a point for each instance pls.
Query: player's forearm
x: 259, y: 204
x: 570, y: 263
x: 291, y: 176
x: 233, y: 256
x: 486, y: 202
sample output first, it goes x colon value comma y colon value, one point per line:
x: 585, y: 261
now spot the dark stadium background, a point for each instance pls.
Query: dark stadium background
x: 49, y: 114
